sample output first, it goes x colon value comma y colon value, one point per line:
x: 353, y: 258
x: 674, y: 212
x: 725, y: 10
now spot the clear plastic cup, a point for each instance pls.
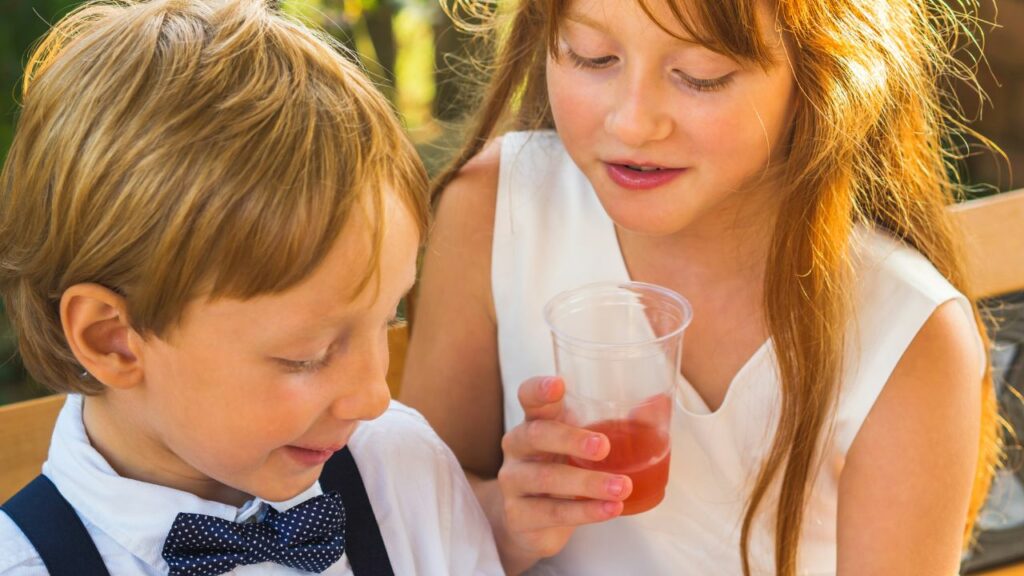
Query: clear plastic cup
x: 618, y: 346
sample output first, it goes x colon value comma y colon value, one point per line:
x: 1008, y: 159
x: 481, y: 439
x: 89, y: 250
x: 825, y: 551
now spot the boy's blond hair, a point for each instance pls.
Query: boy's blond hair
x: 178, y: 149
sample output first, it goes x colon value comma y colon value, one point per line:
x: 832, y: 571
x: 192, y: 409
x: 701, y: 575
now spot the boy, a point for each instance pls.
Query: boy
x: 208, y: 218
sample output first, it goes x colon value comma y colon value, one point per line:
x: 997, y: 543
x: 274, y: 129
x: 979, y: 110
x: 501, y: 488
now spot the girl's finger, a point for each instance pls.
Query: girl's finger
x: 559, y: 480
x: 545, y: 437
x: 541, y: 397
x: 542, y: 512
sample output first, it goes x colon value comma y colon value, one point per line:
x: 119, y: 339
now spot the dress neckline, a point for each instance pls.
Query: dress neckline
x: 687, y: 398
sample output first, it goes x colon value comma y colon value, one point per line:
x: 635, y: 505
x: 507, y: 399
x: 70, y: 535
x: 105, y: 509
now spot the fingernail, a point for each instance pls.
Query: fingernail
x: 610, y: 508
x: 547, y: 385
x: 593, y: 444
x: 615, y: 486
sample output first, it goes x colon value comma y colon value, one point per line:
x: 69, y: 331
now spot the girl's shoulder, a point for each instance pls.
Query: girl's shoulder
x: 885, y: 266
x: 466, y: 205
x: 897, y: 292
x: 531, y: 154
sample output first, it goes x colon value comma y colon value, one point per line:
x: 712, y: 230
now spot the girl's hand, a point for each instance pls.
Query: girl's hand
x: 545, y: 497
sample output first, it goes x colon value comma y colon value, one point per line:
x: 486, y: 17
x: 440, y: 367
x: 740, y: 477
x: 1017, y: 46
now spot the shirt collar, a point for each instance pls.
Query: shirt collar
x: 137, y: 515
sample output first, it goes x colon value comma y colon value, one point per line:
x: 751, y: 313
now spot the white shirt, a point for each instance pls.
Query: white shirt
x: 552, y: 234
x: 430, y: 521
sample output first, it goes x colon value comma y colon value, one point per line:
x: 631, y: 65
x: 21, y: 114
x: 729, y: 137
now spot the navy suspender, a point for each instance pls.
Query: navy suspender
x: 52, y: 526
x: 57, y: 534
x: 363, y: 543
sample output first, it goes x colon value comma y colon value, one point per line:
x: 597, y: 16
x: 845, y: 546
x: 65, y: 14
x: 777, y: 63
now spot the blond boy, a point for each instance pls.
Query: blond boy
x: 208, y: 218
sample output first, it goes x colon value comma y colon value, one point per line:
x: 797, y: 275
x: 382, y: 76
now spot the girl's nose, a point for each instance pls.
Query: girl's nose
x: 638, y: 117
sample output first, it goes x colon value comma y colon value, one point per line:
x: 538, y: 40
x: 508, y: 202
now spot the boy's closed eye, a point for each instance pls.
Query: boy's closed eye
x: 305, y: 366
x: 322, y: 360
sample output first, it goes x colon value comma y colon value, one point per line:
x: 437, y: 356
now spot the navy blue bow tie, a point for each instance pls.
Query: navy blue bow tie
x: 310, y: 537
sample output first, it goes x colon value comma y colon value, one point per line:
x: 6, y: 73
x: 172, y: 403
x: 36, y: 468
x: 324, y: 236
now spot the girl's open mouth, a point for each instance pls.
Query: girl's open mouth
x: 637, y: 177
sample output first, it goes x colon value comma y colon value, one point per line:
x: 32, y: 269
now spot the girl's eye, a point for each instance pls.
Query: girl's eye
x: 305, y: 366
x: 583, y: 62
x: 705, y: 84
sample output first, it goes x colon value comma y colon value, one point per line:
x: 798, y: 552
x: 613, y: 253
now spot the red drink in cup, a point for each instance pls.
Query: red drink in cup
x: 618, y: 346
x: 639, y: 450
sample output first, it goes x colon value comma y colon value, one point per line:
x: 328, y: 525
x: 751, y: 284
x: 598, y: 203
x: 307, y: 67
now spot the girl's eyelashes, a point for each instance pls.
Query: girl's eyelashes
x: 583, y: 62
x: 698, y: 84
x: 705, y: 84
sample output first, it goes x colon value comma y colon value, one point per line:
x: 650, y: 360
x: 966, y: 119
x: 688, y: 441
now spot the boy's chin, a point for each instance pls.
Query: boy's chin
x: 285, y: 491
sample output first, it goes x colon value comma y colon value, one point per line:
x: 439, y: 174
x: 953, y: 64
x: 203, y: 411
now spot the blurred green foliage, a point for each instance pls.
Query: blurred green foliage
x: 22, y: 22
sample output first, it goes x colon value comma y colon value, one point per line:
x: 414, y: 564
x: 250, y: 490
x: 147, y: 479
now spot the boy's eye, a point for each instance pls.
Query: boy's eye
x: 304, y: 366
x: 584, y: 62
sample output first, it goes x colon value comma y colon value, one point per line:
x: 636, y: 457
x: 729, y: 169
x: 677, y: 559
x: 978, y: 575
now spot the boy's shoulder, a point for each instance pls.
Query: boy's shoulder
x: 17, y: 556
x: 413, y: 480
x: 401, y: 433
x: 402, y: 460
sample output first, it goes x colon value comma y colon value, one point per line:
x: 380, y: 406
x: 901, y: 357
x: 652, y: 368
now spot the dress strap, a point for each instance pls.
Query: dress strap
x: 54, y: 529
x: 364, y: 544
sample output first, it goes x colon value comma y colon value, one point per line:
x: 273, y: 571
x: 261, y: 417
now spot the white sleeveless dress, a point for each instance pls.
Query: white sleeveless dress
x: 552, y: 234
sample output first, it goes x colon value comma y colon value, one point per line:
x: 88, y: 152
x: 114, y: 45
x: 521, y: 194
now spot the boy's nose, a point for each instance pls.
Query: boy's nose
x: 371, y: 395
x: 637, y: 117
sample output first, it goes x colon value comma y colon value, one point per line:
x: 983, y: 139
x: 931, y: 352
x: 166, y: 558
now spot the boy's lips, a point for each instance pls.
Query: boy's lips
x: 311, y: 457
x: 316, y: 453
x: 640, y: 175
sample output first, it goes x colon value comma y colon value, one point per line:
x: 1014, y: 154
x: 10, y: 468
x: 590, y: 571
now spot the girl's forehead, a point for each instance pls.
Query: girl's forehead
x: 710, y: 24
x: 676, y: 18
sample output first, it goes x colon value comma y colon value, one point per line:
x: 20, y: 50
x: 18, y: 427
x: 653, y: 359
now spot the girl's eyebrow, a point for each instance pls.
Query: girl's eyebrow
x: 584, y: 20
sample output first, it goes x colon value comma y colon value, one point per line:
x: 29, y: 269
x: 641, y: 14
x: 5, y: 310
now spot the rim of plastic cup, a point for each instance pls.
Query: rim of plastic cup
x: 562, y: 297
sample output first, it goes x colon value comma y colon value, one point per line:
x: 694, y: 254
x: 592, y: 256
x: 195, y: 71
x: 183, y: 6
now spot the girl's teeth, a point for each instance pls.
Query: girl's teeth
x: 642, y: 168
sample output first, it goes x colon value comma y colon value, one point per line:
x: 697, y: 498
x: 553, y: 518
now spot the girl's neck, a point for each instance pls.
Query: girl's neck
x: 725, y: 250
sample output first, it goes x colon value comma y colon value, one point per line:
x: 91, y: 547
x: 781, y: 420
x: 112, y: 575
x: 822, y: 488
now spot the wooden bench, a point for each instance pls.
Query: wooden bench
x: 994, y: 230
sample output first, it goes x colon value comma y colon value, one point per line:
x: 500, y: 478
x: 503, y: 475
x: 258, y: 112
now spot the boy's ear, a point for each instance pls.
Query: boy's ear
x: 97, y: 328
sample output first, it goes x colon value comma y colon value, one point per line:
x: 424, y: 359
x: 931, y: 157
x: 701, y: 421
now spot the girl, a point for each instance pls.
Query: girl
x: 779, y: 163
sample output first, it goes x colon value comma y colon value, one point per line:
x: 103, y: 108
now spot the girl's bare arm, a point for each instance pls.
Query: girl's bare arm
x: 451, y: 372
x: 907, y: 480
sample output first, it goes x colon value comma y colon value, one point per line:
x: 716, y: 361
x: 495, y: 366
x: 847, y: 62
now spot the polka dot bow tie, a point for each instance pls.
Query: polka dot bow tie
x: 310, y: 537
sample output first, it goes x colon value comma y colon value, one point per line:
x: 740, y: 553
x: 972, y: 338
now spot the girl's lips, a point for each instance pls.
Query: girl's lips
x: 637, y: 180
x: 308, y: 457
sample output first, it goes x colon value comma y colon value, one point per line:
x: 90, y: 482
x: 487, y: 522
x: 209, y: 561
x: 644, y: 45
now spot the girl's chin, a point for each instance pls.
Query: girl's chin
x: 648, y: 224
